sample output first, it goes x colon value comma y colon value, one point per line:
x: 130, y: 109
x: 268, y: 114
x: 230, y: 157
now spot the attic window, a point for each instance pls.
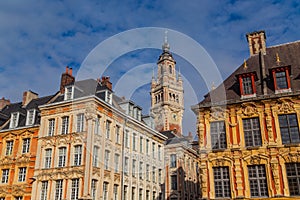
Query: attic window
x: 108, y: 97
x: 30, y: 117
x: 247, y: 85
x: 69, y: 91
x: 14, y: 120
x: 281, y: 78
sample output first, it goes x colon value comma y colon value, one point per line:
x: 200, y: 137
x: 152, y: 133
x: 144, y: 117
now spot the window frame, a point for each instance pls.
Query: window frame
x: 75, y: 188
x: 48, y: 158
x: 9, y: 147
x: 14, y: 120
x: 44, y: 190
x: 222, y: 181
x: 58, y: 189
x: 5, y: 176
x: 286, y: 70
x: 30, y: 119
x: 51, y: 126
x: 22, y: 174
x: 80, y: 122
x: 258, y: 180
x: 62, y: 156
x: 289, y: 128
x: 293, y: 178
x: 65, y: 125
x: 77, y: 155
x: 217, y: 134
x: 244, y: 88
x: 25, y: 145
x: 253, y: 132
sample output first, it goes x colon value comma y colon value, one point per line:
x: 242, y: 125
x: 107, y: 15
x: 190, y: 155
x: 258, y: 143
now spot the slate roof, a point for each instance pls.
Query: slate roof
x: 6, y: 112
x: 289, y: 55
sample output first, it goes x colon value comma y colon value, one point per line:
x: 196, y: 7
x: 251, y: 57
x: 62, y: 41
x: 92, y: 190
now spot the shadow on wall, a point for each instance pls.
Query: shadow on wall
x: 181, y: 186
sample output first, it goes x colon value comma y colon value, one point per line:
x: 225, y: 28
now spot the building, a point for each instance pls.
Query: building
x: 181, y: 171
x: 167, y: 107
x: 93, y: 144
x: 19, y: 127
x: 249, y: 140
x: 167, y: 104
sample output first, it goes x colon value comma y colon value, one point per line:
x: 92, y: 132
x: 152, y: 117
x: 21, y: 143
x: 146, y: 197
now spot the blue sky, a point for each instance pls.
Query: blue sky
x: 39, y: 38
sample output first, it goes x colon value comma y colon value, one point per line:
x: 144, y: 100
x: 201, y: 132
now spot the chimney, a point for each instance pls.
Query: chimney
x: 28, y: 96
x: 66, y: 79
x: 257, y: 42
x: 4, y: 102
x: 106, y: 82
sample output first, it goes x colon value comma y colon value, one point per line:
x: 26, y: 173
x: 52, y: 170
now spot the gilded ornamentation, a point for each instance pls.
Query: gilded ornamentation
x: 217, y: 113
x: 286, y: 107
x: 249, y: 109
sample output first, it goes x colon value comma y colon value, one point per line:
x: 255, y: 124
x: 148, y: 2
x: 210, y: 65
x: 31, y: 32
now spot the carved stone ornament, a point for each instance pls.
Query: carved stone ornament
x: 18, y: 190
x: 286, y: 107
x: 249, y: 109
x: 218, y: 113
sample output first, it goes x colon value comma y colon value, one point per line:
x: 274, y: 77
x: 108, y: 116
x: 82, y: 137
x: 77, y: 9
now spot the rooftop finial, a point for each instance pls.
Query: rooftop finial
x: 166, y: 46
x: 277, y: 58
x: 245, y: 64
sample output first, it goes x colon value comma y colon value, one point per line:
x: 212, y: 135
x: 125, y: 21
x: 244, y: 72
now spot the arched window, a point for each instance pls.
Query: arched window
x: 170, y: 69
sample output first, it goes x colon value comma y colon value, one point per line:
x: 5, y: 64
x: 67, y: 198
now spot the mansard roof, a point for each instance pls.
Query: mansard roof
x: 289, y: 55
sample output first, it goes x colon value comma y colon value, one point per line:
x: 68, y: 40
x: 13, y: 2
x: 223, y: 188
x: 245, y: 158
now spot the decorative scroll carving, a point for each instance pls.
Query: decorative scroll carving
x: 249, y: 109
x: 218, y: 113
x: 286, y: 107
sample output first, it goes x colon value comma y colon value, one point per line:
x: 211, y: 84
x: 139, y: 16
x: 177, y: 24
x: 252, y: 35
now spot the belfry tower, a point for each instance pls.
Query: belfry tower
x: 167, y: 94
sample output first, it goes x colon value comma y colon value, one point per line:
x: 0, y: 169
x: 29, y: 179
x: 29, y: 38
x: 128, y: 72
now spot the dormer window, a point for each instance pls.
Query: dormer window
x: 14, y: 120
x: 108, y: 97
x: 281, y: 78
x: 69, y: 91
x: 247, y: 85
x: 30, y: 117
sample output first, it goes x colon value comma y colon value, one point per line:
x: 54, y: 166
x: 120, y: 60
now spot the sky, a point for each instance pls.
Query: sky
x: 39, y: 38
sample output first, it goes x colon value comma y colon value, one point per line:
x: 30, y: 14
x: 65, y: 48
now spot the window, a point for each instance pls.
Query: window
x: 58, y: 190
x: 258, y: 181
x: 108, y: 129
x: 94, y: 189
x: 77, y: 155
x: 133, y: 193
x: 141, y: 144
x: 147, y: 172
x: 222, y: 182
x: 48, y: 157
x: 30, y: 117
x: 159, y: 175
x: 173, y: 160
x: 44, y: 189
x: 154, y: 174
x: 75, y: 189
x: 51, y: 127
x: 134, y: 168
x: 5, y: 175
x: 117, y: 134
x: 247, y: 84
x: 14, y: 120
x: 26, y: 145
x: 18, y: 198
x: 159, y: 152
x: 115, y: 192
x: 126, y: 170
x: 252, y: 132
x: 117, y: 158
x: 97, y: 125
x: 106, y: 160
x: 141, y: 194
x: 153, y: 195
x: 218, y: 135
x: 126, y: 139
x: 65, y: 125
x: 289, y: 128
x: 293, y: 176
x: 147, y: 195
x: 141, y: 170
x: 173, y: 182
x: 105, y: 191
x: 22, y: 174
x: 153, y: 150
x: 134, y: 141
x: 69, y: 93
x: 80, y: 122
x: 9, y: 147
x: 281, y: 78
x: 95, y: 156
x: 147, y: 147
x: 125, y: 192
x: 62, y: 151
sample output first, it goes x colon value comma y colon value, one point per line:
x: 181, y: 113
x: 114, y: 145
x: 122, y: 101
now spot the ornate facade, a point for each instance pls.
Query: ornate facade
x: 18, y: 142
x: 94, y: 145
x: 249, y: 137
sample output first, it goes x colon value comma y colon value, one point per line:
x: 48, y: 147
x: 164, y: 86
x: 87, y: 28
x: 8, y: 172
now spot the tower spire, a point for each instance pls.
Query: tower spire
x: 166, y: 46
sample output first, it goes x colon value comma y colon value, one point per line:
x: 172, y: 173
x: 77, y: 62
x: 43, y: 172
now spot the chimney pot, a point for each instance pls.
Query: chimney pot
x: 257, y: 42
x: 66, y: 79
x: 67, y: 69
x: 70, y: 71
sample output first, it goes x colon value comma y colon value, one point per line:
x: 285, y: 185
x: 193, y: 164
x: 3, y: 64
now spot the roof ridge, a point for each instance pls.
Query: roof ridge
x: 288, y: 43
